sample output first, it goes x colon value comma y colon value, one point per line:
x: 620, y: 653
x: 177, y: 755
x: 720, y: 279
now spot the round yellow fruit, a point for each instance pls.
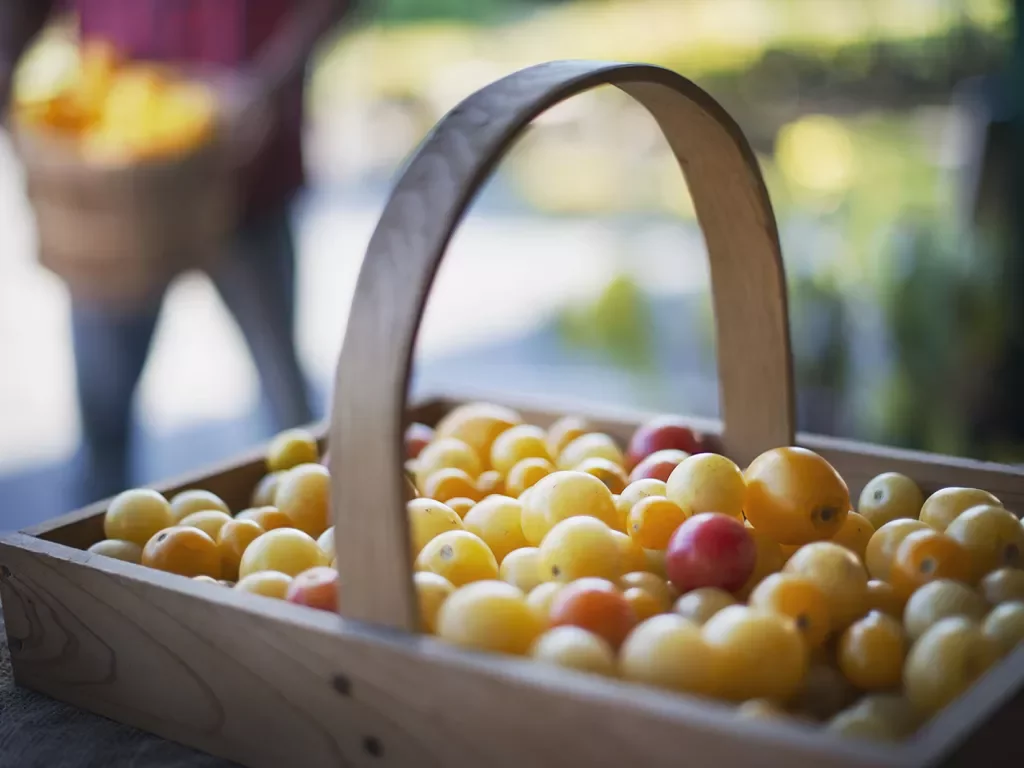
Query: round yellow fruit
x: 446, y: 453
x: 181, y: 550
x: 128, y: 551
x: 871, y: 652
x: 431, y: 592
x: 944, y: 506
x: 477, y: 425
x: 304, y: 494
x: 267, y: 583
x: 265, y: 490
x: 233, y: 539
x: 460, y: 556
x: 608, y: 472
x: 1003, y: 586
x: 540, y: 599
x: 890, y: 496
x: 287, y: 550
x: 707, y: 482
x: 939, y: 600
x: 526, y: 474
x: 563, y: 432
x: 590, y: 446
x: 562, y: 495
x: 290, y: 448
x: 209, y: 521
x: 579, y: 547
x: 699, y: 605
x: 945, y: 661
x: 1004, y: 626
x: 523, y: 441
x: 429, y: 518
x: 196, y: 500
x: 489, y: 616
x: 522, y: 568
x: 992, y: 536
x: 797, y: 598
x: 855, y: 534
x: 451, y: 483
x: 884, y: 543
x: 668, y: 651
x: 498, y: 521
x: 632, y: 556
x: 574, y: 648
x: 838, y: 574
x: 136, y: 515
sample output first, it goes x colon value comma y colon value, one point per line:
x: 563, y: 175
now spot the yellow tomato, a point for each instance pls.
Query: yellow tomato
x: 136, y: 515
x: 489, y: 616
x: 287, y: 550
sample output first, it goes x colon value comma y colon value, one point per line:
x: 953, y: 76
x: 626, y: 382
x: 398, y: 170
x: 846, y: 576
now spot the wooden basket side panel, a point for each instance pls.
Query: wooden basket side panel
x: 269, y: 684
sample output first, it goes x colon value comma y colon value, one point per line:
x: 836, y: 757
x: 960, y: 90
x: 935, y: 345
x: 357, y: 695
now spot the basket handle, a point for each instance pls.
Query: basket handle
x: 425, y: 207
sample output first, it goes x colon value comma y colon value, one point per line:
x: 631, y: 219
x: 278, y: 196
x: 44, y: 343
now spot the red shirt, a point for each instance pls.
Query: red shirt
x: 226, y: 33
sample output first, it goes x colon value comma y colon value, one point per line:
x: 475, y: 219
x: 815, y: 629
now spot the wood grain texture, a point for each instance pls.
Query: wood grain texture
x: 404, y: 253
x: 270, y: 684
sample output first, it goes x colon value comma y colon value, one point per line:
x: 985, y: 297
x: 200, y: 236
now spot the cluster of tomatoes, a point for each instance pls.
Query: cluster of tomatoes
x: 663, y: 563
x: 282, y: 546
x: 667, y: 564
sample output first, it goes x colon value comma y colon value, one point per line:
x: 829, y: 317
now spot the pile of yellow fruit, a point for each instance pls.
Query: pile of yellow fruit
x: 661, y: 562
x: 117, y: 112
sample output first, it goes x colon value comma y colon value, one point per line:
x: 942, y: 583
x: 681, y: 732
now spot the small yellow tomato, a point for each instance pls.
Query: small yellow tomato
x: 883, y: 545
x: 799, y: 599
x: 209, y: 521
x: 945, y: 661
x: 431, y: 591
x: 871, y: 652
x: 477, y: 425
x: 136, y: 515
x: 945, y: 505
x: 653, y: 520
x: 196, y: 500
x: 181, y: 550
x: 460, y: 556
x: 488, y: 616
x: 497, y: 520
x: 563, y: 432
x: 707, y: 482
x: 429, y: 518
x: 526, y: 474
x: 631, y: 554
x: 890, y: 496
x: 304, y: 494
x: 522, y: 568
x: 290, y: 448
x: 699, y: 605
x: 523, y: 441
x: 287, y: 550
x: 540, y: 599
x: 265, y: 490
x: 608, y: 472
x: 233, y: 539
x: 838, y: 574
x: 450, y: 483
x: 855, y: 534
x: 574, y: 648
x: 668, y: 651
x: 992, y: 536
x: 128, y: 551
x: 579, y: 547
x: 267, y: 583
x: 267, y: 518
x: 589, y: 446
x: 446, y: 453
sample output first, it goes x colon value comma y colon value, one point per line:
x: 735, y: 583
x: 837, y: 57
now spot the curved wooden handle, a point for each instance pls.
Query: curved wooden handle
x: 428, y: 202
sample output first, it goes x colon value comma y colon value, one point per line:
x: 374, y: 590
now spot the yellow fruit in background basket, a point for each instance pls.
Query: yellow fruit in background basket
x: 945, y: 505
x: 196, y: 500
x: 945, y: 662
x: 799, y: 599
x: 885, y: 717
x: 181, y: 550
x: 882, y: 597
x: 477, y: 425
x: 574, y: 648
x: 668, y: 651
x: 233, y: 539
x: 523, y: 441
x: 489, y: 616
x: 890, y: 496
x: 631, y: 554
x: 643, y: 603
x: 326, y: 543
x: 459, y: 556
x: 1004, y: 626
x: 287, y: 550
x: 871, y: 652
x: 939, y: 600
x: 884, y: 542
x: 431, y: 591
x: 794, y: 496
x: 136, y: 515
x: 446, y: 453
x: 656, y: 562
x: 496, y: 520
x: 855, y: 534
x: 450, y: 483
x: 593, y: 445
x: 521, y: 568
x: 128, y: 551
x: 526, y: 474
x: 926, y: 556
x: 653, y: 520
x: 209, y: 521
x: 992, y: 536
x: 562, y: 495
x: 707, y: 482
x: 1002, y: 586
x: 429, y: 518
x: 267, y: 518
x: 580, y: 547
x: 290, y: 448
x: 759, y: 654
x: 267, y: 583
x: 563, y: 432
x: 838, y: 574
x: 304, y: 494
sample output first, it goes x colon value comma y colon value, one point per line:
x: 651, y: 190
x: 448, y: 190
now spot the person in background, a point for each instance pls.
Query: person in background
x: 254, y: 53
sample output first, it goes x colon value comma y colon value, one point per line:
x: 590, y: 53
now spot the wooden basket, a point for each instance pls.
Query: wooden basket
x: 268, y: 683
x: 118, y: 234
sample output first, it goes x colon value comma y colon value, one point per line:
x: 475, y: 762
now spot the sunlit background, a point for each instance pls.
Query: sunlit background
x: 581, y: 272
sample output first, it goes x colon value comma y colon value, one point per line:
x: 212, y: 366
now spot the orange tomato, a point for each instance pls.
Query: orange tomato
x: 794, y: 496
x: 925, y: 556
x: 183, y: 550
x: 595, y: 605
x: 232, y: 540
